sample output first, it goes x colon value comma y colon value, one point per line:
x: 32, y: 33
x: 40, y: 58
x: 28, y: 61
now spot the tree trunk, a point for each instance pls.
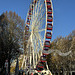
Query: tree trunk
x: 9, y: 64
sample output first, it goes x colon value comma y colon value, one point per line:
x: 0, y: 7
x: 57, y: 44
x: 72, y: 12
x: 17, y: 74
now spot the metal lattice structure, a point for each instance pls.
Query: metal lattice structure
x: 38, y: 34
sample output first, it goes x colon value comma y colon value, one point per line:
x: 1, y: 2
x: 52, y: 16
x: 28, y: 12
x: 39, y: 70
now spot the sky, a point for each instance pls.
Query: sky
x: 63, y: 11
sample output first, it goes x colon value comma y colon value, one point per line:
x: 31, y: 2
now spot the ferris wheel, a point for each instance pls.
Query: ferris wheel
x: 38, y: 33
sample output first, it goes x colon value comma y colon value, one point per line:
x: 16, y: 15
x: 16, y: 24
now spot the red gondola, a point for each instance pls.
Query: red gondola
x: 39, y: 69
x: 30, y: 13
x: 47, y: 44
x: 29, y: 18
x: 49, y: 12
x: 48, y: 6
x: 49, y: 20
x: 49, y: 15
x: 49, y: 26
x: 46, y: 48
x: 45, y: 54
x: 48, y: 35
x: 48, y: 1
x: 28, y: 23
x: 42, y: 59
x: 31, y: 8
x: 27, y: 27
x: 40, y: 65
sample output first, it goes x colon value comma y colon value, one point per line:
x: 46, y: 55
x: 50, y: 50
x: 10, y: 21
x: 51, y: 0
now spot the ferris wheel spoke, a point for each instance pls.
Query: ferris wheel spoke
x: 38, y: 9
x: 28, y: 42
x: 39, y: 24
x: 40, y: 19
x: 36, y: 22
x: 36, y: 17
x: 40, y: 39
x: 37, y: 41
x: 41, y: 44
x: 40, y: 30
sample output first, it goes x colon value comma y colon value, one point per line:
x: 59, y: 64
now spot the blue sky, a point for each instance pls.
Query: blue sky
x: 64, y: 14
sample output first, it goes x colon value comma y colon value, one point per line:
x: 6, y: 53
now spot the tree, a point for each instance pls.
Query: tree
x: 64, y: 44
x: 11, y: 36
